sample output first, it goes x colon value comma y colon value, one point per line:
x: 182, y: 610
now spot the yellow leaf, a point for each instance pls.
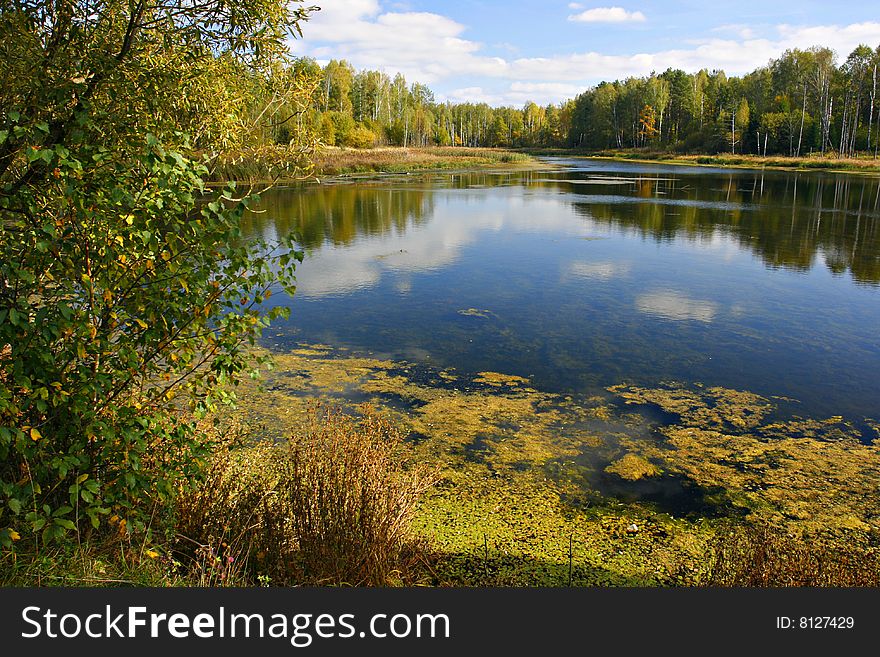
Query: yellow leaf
x: 141, y: 323
x: 14, y: 535
x: 92, y: 331
x: 122, y: 258
x: 35, y: 434
x: 152, y: 554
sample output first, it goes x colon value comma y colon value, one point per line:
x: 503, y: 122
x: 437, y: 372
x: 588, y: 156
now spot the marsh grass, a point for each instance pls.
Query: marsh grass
x: 764, y: 556
x: 829, y: 161
x: 331, y: 506
x: 339, y: 161
x: 284, y: 165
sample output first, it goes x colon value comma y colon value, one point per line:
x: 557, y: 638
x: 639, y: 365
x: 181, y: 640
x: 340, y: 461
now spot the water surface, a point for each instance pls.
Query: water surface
x: 587, y: 274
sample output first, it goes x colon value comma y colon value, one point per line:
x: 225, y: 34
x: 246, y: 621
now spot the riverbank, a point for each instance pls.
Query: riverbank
x: 281, y: 165
x: 277, y: 165
x: 866, y: 164
x: 333, y: 161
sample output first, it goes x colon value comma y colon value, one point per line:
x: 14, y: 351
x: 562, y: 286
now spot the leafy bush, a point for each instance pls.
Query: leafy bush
x: 124, y: 285
x: 122, y: 288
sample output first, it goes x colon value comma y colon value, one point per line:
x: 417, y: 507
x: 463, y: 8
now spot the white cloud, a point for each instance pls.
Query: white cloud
x: 738, y: 29
x: 423, y: 46
x: 602, y: 271
x: 575, y: 5
x: 607, y: 15
x: 669, y: 304
x: 432, y: 48
x: 453, y: 224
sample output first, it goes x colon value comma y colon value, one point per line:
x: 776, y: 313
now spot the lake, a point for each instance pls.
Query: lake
x: 583, y: 274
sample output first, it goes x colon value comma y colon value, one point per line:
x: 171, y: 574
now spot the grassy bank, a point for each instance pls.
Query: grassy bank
x: 331, y: 161
x: 330, y: 504
x: 865, y: 164
x: 277, y: 163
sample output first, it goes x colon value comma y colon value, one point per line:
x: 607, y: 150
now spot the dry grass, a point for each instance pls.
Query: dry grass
x: 761, y: 556
x: 330, y: 507
x: 830, y: 161
x: 337, y: 161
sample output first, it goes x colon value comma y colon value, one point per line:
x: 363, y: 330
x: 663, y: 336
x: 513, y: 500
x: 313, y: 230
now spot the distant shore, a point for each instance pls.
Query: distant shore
x: 864, y: 164
x: 331, y: 161
x: 335, y: 162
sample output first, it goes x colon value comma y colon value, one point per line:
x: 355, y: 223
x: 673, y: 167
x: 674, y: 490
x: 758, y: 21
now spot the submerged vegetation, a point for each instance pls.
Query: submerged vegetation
x: 549, y: 489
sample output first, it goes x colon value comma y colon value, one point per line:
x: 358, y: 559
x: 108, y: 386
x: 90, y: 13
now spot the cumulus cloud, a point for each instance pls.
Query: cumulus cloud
x: 606, y: 15
x: 432, y: 48
x: 421, y: 45
x: 669, y: 304
x: 602, y: 271
x: 738, y: 29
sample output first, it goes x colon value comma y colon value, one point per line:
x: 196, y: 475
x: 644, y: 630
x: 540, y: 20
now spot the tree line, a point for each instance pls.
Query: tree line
x: 803, y: 102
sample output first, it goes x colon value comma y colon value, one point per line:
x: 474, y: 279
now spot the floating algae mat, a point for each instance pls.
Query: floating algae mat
x: 542, y: 488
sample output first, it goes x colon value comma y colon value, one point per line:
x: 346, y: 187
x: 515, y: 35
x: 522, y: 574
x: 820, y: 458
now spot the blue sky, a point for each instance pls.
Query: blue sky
x: 513, y: 51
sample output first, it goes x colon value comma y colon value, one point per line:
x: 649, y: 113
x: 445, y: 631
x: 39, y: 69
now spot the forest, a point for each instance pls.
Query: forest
x: 803, y: 102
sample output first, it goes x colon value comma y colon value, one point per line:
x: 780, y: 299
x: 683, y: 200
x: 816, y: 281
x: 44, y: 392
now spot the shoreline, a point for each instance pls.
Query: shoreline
x: 333, y: 163
x: 863, y: 166
x: 350, y: 164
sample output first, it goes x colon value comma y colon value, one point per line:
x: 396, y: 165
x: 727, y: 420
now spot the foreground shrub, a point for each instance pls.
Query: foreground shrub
x: 122, y: 286
x: 333, y: 505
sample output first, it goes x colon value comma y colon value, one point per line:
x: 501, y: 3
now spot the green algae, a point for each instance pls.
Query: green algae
x: 476, y: 312
x: 708, y: 408
x: 521, y: 501
x: 633, y: 468
x: 812, y: 476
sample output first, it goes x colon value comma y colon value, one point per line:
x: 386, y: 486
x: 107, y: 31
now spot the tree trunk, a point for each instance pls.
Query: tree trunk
x: 871, y: 112
x: 803, y: 113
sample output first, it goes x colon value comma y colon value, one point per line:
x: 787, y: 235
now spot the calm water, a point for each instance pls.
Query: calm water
x: 589, y: 274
